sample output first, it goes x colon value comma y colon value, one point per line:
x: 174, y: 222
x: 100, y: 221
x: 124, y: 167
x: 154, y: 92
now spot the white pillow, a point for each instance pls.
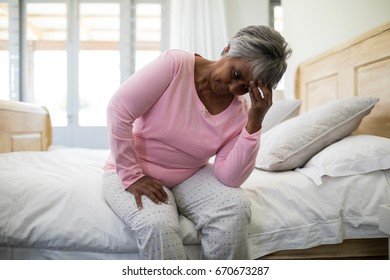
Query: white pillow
x: 280, y: 111
x: 293, y: 142
x: 353, y: 155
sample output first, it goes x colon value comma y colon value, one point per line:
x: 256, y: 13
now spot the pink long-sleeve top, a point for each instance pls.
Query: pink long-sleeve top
x: 158, y: 127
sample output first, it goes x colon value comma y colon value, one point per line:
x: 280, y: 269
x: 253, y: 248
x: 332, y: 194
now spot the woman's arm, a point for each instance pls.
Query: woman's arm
x: 134, y: 97
x: 236, y: 160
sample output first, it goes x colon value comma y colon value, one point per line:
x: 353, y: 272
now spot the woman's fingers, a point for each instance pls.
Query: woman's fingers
x: 138, y: 199
x: 261, y: 101
x: 149, y: 187
x: 260, y: 92
x: 256, y: 93
x: 155, y: 192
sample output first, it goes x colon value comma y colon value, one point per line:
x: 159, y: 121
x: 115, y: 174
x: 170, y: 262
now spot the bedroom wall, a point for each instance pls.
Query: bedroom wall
x: 312, y: 27
x: 242, y: 13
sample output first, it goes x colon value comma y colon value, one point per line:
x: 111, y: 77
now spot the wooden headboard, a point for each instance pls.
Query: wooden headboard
x: 360, y: 67
x: 24, y: 127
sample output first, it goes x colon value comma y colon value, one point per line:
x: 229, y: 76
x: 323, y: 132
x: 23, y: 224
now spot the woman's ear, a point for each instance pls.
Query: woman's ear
x: 226, y: 50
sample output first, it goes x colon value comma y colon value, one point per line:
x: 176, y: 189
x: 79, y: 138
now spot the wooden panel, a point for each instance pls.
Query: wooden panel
x: 24, y: 127
x: 27, y: 142
x: 373, y: 79
x: 374, y: 248
x: 322, y: 90
x: 362, y: 68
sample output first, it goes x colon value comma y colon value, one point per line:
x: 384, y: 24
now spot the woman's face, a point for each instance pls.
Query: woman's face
x: 231, y: 76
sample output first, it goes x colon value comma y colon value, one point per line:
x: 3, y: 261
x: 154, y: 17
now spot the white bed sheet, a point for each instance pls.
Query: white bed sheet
x: 51, y: 207
x: 291, y: 212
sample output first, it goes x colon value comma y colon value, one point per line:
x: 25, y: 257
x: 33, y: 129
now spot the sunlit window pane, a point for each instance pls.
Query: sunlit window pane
x: 46, y: 58
x: 148, y: 33
x: 4, y: 55
x: 278, y: 24
x: 99, y: 60
x: 99, y: 78
x: 95, y: 71
x: 278, y: 18
x: 50, y: 87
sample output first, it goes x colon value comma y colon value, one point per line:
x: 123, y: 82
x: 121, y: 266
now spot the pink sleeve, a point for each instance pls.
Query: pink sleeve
x: 235, y: 161
x: 134, y: 97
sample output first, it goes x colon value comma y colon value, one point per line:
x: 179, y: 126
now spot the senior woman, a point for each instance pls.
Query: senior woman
x: 166, y: 122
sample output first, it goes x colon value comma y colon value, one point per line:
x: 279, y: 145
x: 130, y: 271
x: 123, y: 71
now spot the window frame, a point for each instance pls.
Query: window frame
x: 16, y: 40
x: 272, y: 5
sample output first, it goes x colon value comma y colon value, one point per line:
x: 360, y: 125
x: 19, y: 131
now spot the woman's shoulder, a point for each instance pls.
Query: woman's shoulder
x: 179, y: 56
x: 178, y: 53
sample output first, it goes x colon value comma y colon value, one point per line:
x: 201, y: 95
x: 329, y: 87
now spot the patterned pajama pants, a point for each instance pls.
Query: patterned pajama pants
x: 221, y: 215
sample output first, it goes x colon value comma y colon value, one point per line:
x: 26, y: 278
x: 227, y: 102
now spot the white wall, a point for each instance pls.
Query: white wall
x: 242, y: 13
x: 314, y: 26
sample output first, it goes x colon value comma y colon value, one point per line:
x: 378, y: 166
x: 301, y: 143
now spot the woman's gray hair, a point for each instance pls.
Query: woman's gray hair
x: 265, y: 48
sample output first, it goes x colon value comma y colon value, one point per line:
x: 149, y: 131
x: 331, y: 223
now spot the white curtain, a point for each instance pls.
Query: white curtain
x: 199, y: 26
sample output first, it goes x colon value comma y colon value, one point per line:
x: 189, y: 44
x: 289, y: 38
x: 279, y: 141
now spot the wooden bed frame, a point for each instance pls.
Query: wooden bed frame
x: 24, y: 127
x: 360, y: 67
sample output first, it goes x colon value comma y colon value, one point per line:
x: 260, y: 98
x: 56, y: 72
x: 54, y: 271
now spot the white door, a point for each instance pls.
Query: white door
x: 77, y: 53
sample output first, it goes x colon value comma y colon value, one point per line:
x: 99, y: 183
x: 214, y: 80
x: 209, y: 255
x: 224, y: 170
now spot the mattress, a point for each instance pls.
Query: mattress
x: 52, y: 207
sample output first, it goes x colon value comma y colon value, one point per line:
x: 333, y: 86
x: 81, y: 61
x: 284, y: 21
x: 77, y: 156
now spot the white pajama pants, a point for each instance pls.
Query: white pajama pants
x: 221, y: 215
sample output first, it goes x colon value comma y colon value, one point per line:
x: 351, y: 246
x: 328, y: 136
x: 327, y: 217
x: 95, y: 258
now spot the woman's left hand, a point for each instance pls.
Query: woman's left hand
x: 261, y: 101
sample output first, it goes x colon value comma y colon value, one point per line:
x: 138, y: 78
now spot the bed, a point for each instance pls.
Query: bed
x: 322, y: 172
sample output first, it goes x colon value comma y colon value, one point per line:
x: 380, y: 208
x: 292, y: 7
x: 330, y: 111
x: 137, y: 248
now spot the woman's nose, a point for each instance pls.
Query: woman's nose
x: 238, y: 87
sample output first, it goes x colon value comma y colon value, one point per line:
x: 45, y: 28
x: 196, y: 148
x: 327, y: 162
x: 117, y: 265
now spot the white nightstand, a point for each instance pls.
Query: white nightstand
x: 384, y: 221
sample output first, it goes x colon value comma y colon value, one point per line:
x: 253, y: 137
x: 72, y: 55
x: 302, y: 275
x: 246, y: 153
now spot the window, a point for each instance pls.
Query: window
x: 276, y: 15
x: 45, y: 58
x: 99, y: 60
x: 276, y: 18
x: 4, y: 54
x: 75, y: 53
x: 148, y: 33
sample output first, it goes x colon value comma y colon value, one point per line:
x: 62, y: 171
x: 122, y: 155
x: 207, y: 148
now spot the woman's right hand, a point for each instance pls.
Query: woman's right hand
x: 151, y: 188
x: 261, y: 101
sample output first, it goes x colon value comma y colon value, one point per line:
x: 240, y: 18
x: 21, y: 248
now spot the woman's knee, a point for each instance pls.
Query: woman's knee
x: 240, y: 205
x: 160, y: 216
x: 160, y: 233
x: 162, y: 229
